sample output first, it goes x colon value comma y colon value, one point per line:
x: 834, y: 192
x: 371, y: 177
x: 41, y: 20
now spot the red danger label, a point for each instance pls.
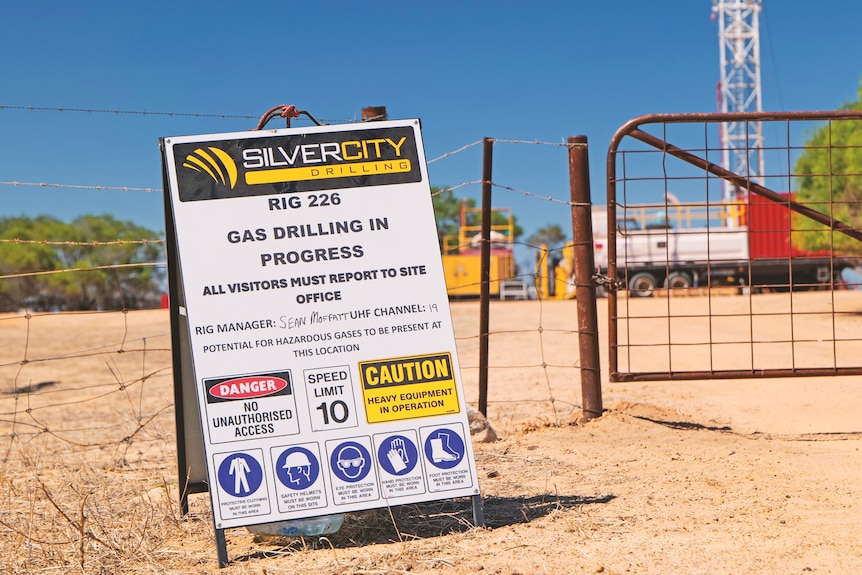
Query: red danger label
x: 248, y: 387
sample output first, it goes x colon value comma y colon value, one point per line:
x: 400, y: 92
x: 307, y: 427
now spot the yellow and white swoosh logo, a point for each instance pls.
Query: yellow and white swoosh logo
x: 215, y: 162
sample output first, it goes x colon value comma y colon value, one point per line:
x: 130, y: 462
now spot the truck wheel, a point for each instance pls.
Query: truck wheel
x: 678, y: 280
x: 642, y: 284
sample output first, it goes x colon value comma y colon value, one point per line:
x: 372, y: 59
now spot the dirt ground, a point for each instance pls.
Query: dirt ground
x: 692, y: 477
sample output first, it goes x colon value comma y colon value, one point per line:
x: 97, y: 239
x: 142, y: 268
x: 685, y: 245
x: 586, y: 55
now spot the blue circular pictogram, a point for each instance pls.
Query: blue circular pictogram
x: 297, y: 468
x: 398, y: 455
x: 444, y: 448
x: 240, y: 474
x: 350, y: 462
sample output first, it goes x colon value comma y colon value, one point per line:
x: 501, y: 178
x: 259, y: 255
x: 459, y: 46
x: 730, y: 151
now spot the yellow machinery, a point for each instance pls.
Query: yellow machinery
x: 462, y: 254
x: 555, y: 272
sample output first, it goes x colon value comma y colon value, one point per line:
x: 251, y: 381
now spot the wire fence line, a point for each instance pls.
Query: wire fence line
x: 81, y: 187
x: 87, y: 269
x: 446, y: 155
x: 81, y: 380
x: 87, y: 404
x: 76, y: 243
x: 465, y: 184
x: 525, y: 193
x: 29, y: 386
x: 454, y: 152
x: 101, y: 379
x: 118, y: 112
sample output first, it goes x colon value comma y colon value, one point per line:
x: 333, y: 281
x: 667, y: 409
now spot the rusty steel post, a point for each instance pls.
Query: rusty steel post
x: 585, y: 286
x: 485, y: 274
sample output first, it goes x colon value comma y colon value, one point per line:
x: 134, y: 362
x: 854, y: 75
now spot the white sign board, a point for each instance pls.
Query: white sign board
x: 324, y: 357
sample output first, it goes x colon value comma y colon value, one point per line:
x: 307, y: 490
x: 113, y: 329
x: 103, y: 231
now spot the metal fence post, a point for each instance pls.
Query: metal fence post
x: 485, y: 291
x: 585, y: 286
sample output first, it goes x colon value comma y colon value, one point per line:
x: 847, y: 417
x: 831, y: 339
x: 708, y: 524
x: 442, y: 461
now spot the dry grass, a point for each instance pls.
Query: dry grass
x: 673, y: 478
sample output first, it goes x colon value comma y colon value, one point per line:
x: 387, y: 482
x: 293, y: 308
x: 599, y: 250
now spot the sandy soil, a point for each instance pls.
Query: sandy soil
x: 713, y: 477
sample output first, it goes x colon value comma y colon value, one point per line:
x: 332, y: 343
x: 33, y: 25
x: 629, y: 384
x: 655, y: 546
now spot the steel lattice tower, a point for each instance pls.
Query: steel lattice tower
x: 739, y: 87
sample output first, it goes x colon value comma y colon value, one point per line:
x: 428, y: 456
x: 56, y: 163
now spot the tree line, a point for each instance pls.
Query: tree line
x: 834, y: 150
x: 87, y: 246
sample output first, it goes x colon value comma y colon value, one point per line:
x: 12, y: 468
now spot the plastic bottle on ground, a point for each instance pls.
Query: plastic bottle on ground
x: 310, y: 526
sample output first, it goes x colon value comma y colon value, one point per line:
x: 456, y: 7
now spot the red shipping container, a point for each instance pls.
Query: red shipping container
x: 769, y: 231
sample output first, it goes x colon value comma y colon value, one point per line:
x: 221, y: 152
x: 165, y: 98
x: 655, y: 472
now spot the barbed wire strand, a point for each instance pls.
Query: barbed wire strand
x: 453, y: 188
x: 94, y: 243
x: 453, y: 152
x: 132, y: 189
x: 125, y: 112
x: 160, y: 190
x: 67, y: 270
x: 515, y: 190
x: 538, y: 197
x: 533, y: 142
x: 118, y: 112
x: 82, y: 187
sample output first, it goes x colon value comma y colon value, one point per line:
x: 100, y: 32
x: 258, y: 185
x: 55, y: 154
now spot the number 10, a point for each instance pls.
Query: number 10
x: 336, y: 411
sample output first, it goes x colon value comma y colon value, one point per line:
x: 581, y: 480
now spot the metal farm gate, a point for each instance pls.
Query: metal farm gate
x: 714, y: 274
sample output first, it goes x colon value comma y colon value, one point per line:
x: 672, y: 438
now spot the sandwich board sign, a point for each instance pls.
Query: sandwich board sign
x: 316, y: 347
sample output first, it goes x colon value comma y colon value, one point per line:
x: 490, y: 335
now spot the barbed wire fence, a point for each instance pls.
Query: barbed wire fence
x: 86, y: 397
x: 552, y: 379
x: 469, y: 362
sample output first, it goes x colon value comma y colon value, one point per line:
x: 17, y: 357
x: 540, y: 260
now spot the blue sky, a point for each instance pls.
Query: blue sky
x: 522, y: 71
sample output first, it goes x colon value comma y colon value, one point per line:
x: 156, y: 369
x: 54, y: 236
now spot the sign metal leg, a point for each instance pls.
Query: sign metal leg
x: 221, y: 548
x: 478, y: 511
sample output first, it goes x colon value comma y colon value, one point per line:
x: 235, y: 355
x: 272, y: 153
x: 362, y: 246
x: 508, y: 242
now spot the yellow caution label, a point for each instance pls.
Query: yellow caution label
x: 408, y: 387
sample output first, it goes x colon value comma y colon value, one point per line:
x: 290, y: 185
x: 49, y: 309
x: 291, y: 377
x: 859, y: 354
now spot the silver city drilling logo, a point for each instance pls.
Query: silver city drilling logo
x: 215, y: 162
